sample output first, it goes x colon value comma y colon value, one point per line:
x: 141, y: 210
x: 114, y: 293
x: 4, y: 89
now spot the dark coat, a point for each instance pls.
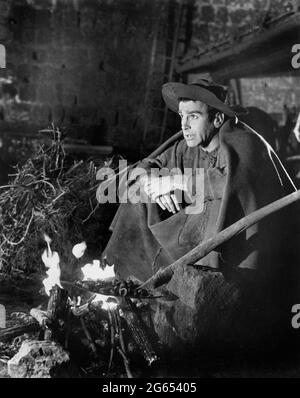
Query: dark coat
x: 244, y: 176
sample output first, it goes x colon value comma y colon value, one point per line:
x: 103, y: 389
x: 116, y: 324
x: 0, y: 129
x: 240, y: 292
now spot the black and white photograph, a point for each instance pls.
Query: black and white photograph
x: 149, y: 191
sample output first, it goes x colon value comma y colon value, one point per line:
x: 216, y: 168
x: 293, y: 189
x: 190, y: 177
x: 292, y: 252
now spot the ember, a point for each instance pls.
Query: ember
x: 51, y: 261
x: 95, y: 272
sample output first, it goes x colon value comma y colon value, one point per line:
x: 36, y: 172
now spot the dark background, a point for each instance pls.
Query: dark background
x: 95, y: 68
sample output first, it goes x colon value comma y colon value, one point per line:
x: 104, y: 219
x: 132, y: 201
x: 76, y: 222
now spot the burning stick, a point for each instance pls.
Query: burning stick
x: 122, y: 350
x: 112, y: 340
x: 57, y: 305
x: 51, y: 261
x: 9, y: 333
x: 126, y: 363
x: 85, y: 308
x: 40, y: 316
x: 137, y: 330
x: 88, y: 336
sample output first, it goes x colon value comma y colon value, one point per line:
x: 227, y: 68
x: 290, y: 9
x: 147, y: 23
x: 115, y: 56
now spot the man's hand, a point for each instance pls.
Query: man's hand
x: 160, y: 186
x: 168, y: 202
x: 161, y: 190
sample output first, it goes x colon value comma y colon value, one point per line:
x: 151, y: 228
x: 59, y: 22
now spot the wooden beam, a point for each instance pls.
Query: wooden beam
x: 88, y: 149
x: 279, y: 36
x: 163, y: 275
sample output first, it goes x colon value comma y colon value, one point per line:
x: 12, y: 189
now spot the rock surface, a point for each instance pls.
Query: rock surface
x: 36, y: 359
x: 204, y: 311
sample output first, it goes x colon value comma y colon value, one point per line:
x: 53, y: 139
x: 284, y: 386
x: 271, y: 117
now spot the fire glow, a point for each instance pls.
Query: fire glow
x: 79, y: 249
x: 51, y: 261
x: 90, y: 272
x: 95, y: 272
x: 108, y: 302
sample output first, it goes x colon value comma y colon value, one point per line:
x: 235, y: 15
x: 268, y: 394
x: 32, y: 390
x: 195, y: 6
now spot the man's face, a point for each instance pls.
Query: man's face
x: 197, y: 129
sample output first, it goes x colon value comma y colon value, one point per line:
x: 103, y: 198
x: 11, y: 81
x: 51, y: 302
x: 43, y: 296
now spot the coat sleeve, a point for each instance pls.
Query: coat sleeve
x: 166, y: 160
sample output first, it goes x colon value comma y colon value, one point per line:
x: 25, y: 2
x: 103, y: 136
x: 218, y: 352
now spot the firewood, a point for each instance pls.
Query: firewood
x: 88, y: 336
x: 122, y: 349
x: 112, y: 340
x: 40, y: 316
x: 9, y: 333
x: 82, y: 310
x: 138, y: 331
x: 85, y: 308
x: 56, y: 309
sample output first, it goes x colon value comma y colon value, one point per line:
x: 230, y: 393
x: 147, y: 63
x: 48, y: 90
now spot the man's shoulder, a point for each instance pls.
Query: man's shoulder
x: 240, y: 135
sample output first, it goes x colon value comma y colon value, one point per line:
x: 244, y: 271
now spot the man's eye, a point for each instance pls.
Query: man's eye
x: 194, y: 116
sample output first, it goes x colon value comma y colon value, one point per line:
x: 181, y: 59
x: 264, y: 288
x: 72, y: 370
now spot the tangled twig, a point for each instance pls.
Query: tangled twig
x: 23, y: 237
x: 47, y: 194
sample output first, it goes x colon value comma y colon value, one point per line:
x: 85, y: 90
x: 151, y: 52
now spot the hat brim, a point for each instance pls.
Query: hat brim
x: 172, y: 92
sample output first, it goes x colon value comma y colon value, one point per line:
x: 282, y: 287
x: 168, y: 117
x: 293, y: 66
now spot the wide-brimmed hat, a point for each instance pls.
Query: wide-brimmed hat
x: 205, y: 91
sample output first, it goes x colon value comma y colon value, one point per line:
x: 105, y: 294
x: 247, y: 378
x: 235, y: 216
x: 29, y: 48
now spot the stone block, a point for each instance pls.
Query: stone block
x: 239, y: 16
x: 88, y: 92
x: 207, y: 13
x: 73, y: 115
x: 45, y: 93
x: 4, y: 33
x: 88, y: 18
x: 28, y: 73
x: 58, y: 92
x: 71, y: 36
x: 74, y: 57
x: 202, y: 32
x: 43, y: 36
x: 40, y: 114
x: 40, y: 56
x: 50, y: 74
x: 5, y: 7
x: 24, y: 16
x: 88, y: 116
x: 43, y: 19
x: 27, y: 92
x: 222, y: 15
x: 37, y: 359
x: 27, y: 36
x: 17, y: 112
x: 58, y: 114
x: 205, y: 309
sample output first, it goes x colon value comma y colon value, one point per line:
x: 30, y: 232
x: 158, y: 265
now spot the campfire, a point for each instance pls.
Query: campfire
x: 105, y: 310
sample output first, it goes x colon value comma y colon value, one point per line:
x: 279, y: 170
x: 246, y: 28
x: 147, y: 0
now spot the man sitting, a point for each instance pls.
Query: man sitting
x: 236, y: 172
x: 218, y: 171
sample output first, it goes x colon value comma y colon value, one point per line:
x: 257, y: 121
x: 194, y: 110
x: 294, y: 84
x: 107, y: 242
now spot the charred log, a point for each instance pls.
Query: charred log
x: 138, y: 331
x: 56, y: 310
x: 14, y: 331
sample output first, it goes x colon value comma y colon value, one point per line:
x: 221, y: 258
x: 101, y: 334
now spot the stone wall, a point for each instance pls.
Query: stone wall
x: 224, y: 21
x: 80, y: 64
x: 219, y: 20
x: 83, y: 64
x: 271, y: 94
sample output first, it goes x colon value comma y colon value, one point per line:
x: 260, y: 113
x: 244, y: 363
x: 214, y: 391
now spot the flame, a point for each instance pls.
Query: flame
x: 106, y: 305
x: 95, y: 272
x: 51, y: 261
x: 79, y: 249
x: 48, y: 241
